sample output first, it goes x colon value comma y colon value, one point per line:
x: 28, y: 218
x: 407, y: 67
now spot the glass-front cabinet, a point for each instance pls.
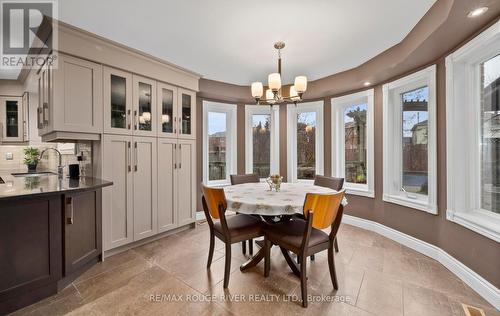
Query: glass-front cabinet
x: 144, y: 106
x: 118, y: 117
x: 167, y: 110
x: 11, y: 115
x: 186, y: 118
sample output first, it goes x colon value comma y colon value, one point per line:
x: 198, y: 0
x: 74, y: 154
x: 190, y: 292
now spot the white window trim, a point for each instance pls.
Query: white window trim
x: 392, y: 139
x: 338, y: 141
x: 463, y: 123
x: 251, y: 110
x: 231, y: 161
x: 292, y: 111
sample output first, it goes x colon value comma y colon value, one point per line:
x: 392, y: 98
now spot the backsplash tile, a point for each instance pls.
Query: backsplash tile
x: 49, y: 160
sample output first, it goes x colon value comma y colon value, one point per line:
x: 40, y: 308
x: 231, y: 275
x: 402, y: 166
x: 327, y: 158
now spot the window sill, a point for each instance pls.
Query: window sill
x: 479, y: 221
x: 411, y: 203
x: 359, y: 192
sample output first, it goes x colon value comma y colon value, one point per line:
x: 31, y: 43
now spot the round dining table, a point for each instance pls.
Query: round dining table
x: 258, y: 199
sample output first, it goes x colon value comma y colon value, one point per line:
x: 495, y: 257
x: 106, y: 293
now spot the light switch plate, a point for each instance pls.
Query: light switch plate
x: 9, y: 156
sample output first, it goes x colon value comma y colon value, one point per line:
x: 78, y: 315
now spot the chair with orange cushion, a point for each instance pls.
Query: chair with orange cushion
x: 334, y: 184
x: 230, y: 230
x: 305, y: 237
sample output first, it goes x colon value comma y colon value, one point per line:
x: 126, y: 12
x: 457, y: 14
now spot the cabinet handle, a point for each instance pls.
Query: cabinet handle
x: 135, y: 158
x: 45, y: 110
x: 135, y: 119
x: 175, y: 156
x: 180, y: 154
x: 129, y: 157
x: 129, y: 119
x: 70, y: 219
x: 1, y: 131
x: 39, y: 117
x: 25, y: 131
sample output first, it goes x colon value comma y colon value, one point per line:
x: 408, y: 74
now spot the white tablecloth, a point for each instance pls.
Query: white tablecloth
x: 256, y: 198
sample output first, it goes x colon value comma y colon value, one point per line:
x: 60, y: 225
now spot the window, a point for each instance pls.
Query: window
x: 472, y: 134
x: 305, y: 140
x: 219, y: 142
x: 262, y: 140
x: 410, y: 141
x: 352, y: 142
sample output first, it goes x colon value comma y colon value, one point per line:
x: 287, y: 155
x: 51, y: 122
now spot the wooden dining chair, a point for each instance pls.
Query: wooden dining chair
x: 240, y: 179
x: 305, y: 237
x: 230, y: 230
x: 334, y: 184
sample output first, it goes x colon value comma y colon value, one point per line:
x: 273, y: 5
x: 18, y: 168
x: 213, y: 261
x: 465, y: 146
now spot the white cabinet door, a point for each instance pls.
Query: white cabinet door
x: 117, y: 200
x: 186, y: 114
x: 76, y: 104
x: 167, y: 178
x: 167, y: 110
x: 11, y: 115
x: 145, y: 107
x: 117, y: 101
x: 186, y: 181
x: 145, y: 187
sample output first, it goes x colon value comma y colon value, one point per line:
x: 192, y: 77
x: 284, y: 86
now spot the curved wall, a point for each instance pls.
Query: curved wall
x: 443, y: 29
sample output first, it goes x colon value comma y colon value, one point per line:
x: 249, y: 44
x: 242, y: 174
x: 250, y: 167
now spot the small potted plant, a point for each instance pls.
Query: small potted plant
x: 31, y: 158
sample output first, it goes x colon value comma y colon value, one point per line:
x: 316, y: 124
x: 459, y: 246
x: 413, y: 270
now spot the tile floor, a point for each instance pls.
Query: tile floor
x: 168, y: 277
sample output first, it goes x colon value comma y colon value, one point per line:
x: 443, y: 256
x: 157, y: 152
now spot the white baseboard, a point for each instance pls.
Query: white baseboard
x: 484, y: 288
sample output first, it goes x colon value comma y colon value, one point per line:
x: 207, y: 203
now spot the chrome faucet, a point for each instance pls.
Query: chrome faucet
x: 59, y: 167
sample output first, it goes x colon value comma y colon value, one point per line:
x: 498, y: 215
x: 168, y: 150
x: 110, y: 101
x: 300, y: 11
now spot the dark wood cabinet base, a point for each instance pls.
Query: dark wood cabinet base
x: 46, y: 243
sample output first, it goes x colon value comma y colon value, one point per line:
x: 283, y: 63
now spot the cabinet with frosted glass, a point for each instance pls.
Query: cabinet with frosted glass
x: 117, y: 101
x: 11, y: 119
x: 144, y: 106
x: 186, y: 117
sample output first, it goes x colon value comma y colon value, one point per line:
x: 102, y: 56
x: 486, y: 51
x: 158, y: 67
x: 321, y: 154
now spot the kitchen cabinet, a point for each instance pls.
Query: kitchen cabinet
x: 117, y: 87
x: 82, y: 230
x: 145, y: 187
x: 145, y: 108
x: 71, y: 98
x: 25, y: 110
x: 186, y: 117
x: 167, y: 110
x: 130, y: 206
x: 117, y: 200
x: 167, y: 180
x: 11, y: 119
x: 186, y: 181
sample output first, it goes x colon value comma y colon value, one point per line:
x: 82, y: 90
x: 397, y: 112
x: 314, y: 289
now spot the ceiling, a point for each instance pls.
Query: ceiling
x: 232, y: 41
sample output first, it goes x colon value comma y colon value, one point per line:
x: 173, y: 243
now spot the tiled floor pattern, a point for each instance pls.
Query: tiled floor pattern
x: 168, y: 277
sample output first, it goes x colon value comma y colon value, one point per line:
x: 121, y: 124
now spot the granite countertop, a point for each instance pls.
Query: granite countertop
x: 32, y: 186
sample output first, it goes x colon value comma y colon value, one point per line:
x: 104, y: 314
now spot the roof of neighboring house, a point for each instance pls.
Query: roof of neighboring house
x: 423, y: 123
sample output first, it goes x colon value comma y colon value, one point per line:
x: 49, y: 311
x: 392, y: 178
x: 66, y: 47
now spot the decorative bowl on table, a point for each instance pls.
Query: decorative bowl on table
x: 274, y: 181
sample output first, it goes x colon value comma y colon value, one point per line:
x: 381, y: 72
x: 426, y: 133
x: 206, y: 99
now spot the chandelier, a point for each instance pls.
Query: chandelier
x: 274, y: 92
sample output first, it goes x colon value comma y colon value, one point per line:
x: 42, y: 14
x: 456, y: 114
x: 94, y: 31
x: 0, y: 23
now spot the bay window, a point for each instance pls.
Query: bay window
x: 219, y: 142
x: 409, y: 106
x: 473, y: 134
x: 262, y: 139
x: 352, y: 142
x: 305, y: 141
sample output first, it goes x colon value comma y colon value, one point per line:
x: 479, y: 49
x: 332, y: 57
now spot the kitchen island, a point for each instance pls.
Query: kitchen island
x: 50, y: 233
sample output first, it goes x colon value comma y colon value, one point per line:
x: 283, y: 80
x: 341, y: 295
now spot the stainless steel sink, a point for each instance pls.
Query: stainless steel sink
x: 33, y: 174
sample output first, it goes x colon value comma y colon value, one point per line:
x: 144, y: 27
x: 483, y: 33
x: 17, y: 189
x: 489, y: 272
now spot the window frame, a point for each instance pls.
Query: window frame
x: 292, y: 111
x: 231, y: 129
x: 463, y: 176
x: 273, y: 111
x: 392, y: 141
x: 339, y: 104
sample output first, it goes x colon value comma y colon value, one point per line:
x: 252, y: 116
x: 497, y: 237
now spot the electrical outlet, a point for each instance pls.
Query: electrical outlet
x: 9, y: 156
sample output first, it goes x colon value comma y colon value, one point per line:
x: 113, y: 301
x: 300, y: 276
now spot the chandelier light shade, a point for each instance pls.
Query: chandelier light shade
x: 273, y: 93
x: 274, y: 81
x: 257, y: 90
x: 300, y: 84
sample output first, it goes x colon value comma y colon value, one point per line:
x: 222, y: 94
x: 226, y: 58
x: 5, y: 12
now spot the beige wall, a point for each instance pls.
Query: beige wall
x: 443, y: 29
